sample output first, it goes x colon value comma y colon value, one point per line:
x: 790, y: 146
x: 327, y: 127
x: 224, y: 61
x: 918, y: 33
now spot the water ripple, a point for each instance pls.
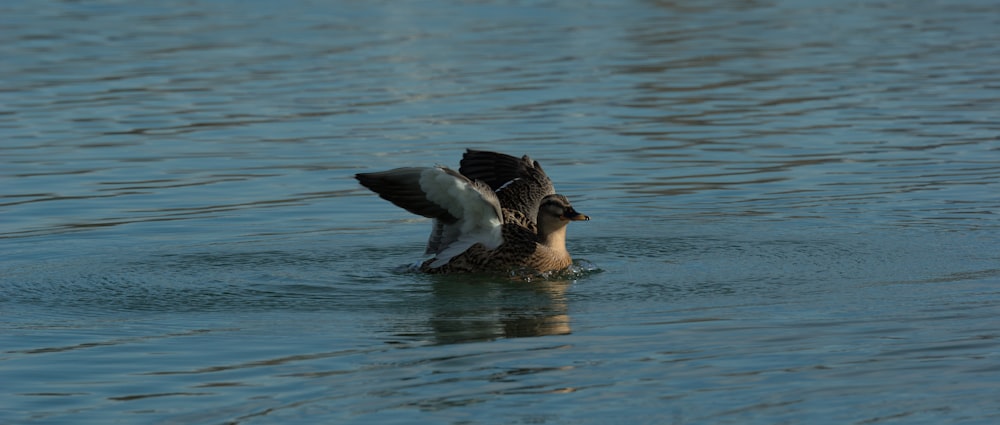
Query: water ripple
x: 795, y: 212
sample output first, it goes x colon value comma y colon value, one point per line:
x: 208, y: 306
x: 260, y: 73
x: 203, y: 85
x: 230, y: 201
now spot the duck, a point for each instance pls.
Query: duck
x: 497, y: 214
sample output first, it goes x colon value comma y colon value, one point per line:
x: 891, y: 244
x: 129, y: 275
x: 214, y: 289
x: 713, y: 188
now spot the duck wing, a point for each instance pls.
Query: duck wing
x: 465, y: 212
x: 519, y: 183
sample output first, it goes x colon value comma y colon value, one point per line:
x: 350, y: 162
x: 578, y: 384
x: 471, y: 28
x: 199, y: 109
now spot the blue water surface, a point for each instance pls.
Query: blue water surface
x: 794, y: 212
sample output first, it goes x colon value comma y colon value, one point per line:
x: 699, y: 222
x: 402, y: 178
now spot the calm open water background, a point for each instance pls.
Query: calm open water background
x: 794, y: 202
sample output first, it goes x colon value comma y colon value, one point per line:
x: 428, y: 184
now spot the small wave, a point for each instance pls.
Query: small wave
x: 579, y: 269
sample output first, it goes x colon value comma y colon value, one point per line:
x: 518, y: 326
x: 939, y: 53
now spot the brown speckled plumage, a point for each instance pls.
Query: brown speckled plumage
x: 532, y: 218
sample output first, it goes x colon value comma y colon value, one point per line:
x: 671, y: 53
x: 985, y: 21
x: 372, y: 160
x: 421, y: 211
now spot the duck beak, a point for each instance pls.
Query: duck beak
x: 572, y: 215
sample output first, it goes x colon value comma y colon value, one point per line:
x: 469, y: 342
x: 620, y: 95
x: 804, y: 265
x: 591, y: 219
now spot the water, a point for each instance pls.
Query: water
x: 794, y: 212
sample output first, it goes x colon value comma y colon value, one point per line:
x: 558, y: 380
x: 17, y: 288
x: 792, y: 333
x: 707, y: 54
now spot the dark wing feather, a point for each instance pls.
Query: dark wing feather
x: 401, y: 186
x: 493, y: 168
x: 465, y: 212
x: 520, y: 183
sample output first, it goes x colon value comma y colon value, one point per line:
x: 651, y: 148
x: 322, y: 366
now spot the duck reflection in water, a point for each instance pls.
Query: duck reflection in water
x: 464, y: 311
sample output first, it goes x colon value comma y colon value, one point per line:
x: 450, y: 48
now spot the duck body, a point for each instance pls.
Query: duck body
x: 497, y: 214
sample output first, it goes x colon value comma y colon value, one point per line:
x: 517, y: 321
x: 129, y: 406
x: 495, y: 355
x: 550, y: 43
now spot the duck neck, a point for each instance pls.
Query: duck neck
x: 555, y: 240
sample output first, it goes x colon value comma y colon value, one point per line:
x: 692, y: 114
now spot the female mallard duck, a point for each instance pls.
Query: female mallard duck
x: 497, y: 213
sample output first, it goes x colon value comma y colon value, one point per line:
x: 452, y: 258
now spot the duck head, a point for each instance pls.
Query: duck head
x: 554, y: 213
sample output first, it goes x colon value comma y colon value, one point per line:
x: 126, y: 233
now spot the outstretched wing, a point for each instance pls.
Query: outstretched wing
x: 519, y: 183
x: 465, y: 212
x: 401, y: 186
